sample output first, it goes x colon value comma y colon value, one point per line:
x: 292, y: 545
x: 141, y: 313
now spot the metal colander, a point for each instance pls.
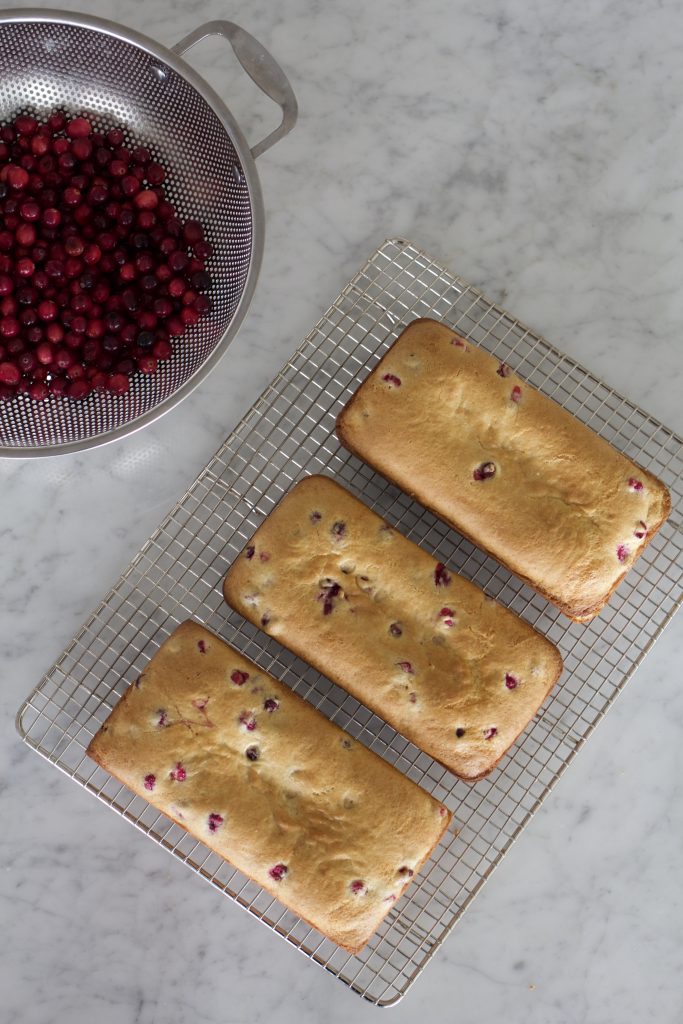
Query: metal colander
x: 55, y: 59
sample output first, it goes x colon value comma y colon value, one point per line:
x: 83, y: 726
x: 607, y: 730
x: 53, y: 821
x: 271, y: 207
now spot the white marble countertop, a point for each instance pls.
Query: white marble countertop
x: 536, y: 149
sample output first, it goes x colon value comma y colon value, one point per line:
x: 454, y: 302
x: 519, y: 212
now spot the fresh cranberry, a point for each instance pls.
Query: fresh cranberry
x: 79, y: 128
x: 9, y: 374
x: 150, y: 782
x: 278, y: 872
x: 392, y: 379
x: 442, y: 577
x: 485, y: 471
x: 239, y: 678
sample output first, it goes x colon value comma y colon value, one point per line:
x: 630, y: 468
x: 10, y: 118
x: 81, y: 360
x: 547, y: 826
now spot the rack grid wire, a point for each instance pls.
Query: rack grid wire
x: 289, y: 433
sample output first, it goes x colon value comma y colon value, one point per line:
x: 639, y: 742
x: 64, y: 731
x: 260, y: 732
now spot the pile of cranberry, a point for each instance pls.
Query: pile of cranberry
x: 98, y: 273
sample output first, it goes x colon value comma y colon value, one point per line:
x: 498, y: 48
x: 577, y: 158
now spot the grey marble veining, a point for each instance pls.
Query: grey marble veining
x: 535, y: 148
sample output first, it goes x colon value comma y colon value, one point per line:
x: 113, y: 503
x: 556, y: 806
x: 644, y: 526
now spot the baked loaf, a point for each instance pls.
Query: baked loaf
x: 448, y: 667
x: 267, y: 782
x: 506, y: 466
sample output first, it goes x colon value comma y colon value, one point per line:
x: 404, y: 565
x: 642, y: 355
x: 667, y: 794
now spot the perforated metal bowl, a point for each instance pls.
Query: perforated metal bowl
x: 57, y: 59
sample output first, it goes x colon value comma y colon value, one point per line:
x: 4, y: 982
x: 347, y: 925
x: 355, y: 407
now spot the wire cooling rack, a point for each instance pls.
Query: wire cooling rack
x: 287, y: 434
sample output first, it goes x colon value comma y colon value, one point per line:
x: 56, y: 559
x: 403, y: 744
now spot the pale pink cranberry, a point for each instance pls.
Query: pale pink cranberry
x: 412, y: 697
x: 163, y: 718
x: 623, y: 552
x: 346, y: 743
x: 315, y: 517
x: 278, y: 872
x: 490, y: 733
x: 390, y: 898
x: 215, y: 822
x: 202, y: 646
x: 635, y: 485
x: 264, y: 556
x: 178, y: 774
x: 252, y: 753
x: 239, y: 678
x: 392, y: 380
x: 358, y: 887
x: 511, y: 681
x: 446, y: 615
x: 395, y: 629
x: 270, y: 705
x: 485, y: 471
x: 406, y: 872
x: 503, y: 370
x: 459, y: 343
x: 200, y: 703
x: 443, y: 811
x: 442, y: 577
x: 516, y: 394
x: 247, y: 720
x: 406, y: 666
x: 641, y: 531
x: 249, y: 553
x: 150, y: 782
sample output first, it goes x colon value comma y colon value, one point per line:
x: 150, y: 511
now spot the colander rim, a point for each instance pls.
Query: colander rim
x: 248, y: 166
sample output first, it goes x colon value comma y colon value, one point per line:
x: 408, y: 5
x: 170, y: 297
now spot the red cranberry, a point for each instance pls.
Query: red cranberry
x: 442, y: 577
x: 490, y: 733
x: 16, y: 177
x: 641, y: 531
x: 623, y: 552
x: 178, y: 774
x: 247, y: 720
x: 395, y: 629
x: 406, y: 666
x: 252, y: 753
x: 118, y: 383
x: 215, y: 822
x: 635, y: 485
x: 516, y: 394
x: 150, y: 782
x: 511, y: 681
x: 79, y: 128
x: 447, y: 616
x: 9, y: 374
x: 239, y: 678
x: 270, y: 705
x: 390, y: 378
x: 278, y: 872
x: 79, y: 389
x: 485, y: 471
x: 358, y: 887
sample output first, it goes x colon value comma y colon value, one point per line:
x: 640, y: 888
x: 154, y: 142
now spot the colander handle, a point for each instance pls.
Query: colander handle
x: 260, y: 67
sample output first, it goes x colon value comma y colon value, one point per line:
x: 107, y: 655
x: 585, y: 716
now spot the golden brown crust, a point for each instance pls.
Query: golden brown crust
x: 563, y: 510
x: 313, y: 800
x: 453, y: 671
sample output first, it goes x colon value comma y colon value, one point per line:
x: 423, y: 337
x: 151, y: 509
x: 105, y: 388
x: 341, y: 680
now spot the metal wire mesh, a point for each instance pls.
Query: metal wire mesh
x: 290, y: 433
x: 50, y: 65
